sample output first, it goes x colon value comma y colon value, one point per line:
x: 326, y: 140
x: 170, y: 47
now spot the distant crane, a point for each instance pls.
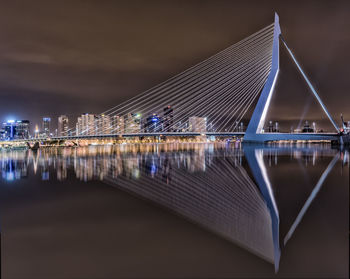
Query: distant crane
x: 346, y: 128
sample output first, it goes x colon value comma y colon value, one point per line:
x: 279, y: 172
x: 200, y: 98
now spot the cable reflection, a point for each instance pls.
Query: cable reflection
x: 224, y: 188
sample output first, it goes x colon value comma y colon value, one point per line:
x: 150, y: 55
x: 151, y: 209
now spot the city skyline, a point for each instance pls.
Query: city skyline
x: 72, y: 74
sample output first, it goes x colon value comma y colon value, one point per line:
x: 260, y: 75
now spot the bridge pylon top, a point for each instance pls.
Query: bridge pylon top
x: 257, y: 121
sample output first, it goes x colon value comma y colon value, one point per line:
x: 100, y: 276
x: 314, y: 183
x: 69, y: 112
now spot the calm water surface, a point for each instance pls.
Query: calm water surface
x: 175, y: 210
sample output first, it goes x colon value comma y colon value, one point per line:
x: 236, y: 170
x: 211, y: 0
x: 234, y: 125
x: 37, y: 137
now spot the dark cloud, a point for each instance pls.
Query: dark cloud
x: 69, y: 57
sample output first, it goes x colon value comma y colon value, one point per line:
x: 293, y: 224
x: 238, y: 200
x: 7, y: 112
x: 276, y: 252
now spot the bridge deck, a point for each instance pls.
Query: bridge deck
x: 264, y: 137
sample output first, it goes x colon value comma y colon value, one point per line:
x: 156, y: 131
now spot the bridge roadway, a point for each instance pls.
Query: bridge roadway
x: 265, y: 136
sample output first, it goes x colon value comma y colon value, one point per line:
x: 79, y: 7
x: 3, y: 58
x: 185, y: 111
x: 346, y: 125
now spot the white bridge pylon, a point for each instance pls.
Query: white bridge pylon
x: 254, y: 130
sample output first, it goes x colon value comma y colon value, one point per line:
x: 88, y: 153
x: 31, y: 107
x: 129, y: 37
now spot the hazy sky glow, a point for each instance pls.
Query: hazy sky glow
x: 69, y: 57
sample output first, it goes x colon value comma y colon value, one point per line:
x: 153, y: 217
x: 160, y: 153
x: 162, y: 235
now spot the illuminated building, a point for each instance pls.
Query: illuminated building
x: 271, y: 128
x: 153, y: 124
x: 15, y: 129
x: 197, y: 124
x: 46, y: 126
x: 133, y: 123
x: 307, y: 128
x: 103, y: 125
x: 9, y: 129
x: 22, y: 129
x: 241, y: 127
x: 63, y: 123
x: 118, y: 124
x: 168, y: 119
x: 85, y: 125
x: 78, y: 127
x: 2, y: 133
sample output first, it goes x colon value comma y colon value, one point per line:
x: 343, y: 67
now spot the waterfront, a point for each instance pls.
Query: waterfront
x: 59, y: 212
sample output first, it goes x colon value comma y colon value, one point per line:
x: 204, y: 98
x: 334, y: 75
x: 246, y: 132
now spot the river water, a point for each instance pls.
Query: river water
x: 189, y: 210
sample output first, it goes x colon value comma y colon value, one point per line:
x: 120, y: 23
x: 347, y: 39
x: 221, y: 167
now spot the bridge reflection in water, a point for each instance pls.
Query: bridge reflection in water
x: 224, y: 188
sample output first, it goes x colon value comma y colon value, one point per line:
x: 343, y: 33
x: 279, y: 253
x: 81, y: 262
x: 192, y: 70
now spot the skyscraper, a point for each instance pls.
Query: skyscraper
x: 22, y: 129
x: 78, y: 127
x: 103, y: 125
x: 63, y: 124
x: 10, y: 129
x: 86, y: 125
x: 118, y: 125
x: 133, y: 123
x: 168, y: 119
x: 153, y: 124
x: 46, y: 126
x: 16, y: 129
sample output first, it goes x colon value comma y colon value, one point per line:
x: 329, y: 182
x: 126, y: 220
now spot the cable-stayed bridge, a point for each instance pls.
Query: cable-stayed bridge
x: 208, y: 99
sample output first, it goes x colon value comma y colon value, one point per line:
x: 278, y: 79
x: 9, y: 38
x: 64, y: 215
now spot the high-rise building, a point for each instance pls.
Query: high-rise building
x: 197, y: 124
x: 118, y: 125
x: 85, y: 125
x: 9, y: 128
x: 63, y: 126
x: 153, y: 124
x: 168, y: 119
x: 78, y: 127
x: 2, y: 133
x: 46, y: 126
x: 15, y: 129
x: 133, y: 123
x: 22, y: 129
x: 103, y: 125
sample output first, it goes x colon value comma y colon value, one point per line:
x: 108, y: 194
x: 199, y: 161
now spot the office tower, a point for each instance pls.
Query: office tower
x: 78, y: 127
x: 85, y: 125
x: 88, y: 122
x: 22, y: 129
x: 46, y: 126
x: 63, y: 123
x: 133, y: 123
x: 2, y: 133
x: 118, y: 125
x: 168, y: 119
x: 15, y: 129
x: 197, y: 124
x: 9, y: 128
x: 103, y: 125
x: 153, y: 124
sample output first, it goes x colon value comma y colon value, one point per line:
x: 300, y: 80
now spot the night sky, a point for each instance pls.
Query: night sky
x: 70, y: 57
